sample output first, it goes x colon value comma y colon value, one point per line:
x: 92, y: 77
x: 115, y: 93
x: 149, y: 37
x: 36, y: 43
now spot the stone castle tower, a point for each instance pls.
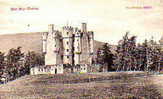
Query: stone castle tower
x: 67, y: 37
x: 70, y: 46
x: 52, y: 45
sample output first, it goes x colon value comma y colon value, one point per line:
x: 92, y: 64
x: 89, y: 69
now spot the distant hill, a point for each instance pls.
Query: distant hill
x: 28, y: 42
x: 98, y: 44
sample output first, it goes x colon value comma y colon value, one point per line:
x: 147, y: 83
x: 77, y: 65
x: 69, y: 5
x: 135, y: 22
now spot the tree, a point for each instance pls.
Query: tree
x: 33, y: 59
x: 1, y: 63
x: 126, y: 51
x: 14, y: 55
x: 149, y: 56
x: 13, y: 58
x: 2, y: 58
x: 105, y: 57
x: 153, y: 56
x: 144, y: 57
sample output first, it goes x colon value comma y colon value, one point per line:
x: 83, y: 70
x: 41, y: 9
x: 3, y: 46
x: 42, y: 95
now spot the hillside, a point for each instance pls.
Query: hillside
x: 28, y: 41
x: 98, y: 44
x: 134, y: 85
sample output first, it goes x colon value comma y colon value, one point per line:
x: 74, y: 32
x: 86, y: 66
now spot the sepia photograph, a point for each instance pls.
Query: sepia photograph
x: 81, y: 49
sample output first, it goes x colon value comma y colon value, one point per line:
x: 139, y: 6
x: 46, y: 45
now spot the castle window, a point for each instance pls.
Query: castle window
x: 54, y: 45
x: 67, y: 33
x: 67, y: 56
x: 67, y: 50
x: 67, y: 42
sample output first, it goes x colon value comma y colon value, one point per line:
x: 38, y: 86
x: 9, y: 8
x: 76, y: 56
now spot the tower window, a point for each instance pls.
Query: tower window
x: 67, y: 56
x: 67, y: 42
x: 67, y: 33
x: 67, y: 50
x: 54, y: 45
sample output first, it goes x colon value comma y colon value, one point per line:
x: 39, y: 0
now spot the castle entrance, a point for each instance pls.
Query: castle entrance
x: 56, y: 71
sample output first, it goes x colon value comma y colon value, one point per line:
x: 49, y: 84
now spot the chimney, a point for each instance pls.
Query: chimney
x: 76, y: 29
x: 50, y: 28
x: 84, y: 27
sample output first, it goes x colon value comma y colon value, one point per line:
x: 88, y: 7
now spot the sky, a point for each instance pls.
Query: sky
x: 109, y: 19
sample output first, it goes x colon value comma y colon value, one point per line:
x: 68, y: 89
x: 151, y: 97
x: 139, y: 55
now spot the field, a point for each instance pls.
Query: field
x: 114, y: 85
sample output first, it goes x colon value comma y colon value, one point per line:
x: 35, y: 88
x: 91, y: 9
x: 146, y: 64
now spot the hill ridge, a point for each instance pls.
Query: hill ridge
x: 31, y: 41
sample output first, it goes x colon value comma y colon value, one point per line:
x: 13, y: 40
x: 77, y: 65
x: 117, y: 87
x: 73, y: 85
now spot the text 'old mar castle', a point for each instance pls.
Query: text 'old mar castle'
x: 69, y: 47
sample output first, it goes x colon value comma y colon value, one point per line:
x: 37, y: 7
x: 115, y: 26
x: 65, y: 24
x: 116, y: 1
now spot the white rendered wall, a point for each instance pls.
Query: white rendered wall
x: 44, y: 42
x: 57, y: 69
x: 53, y: 56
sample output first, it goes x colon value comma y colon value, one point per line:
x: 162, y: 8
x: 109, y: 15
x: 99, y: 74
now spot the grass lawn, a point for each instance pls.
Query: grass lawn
x: 114, y: 85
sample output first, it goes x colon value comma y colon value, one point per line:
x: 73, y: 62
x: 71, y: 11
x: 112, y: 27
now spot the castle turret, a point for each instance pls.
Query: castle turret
x: 44, y: 42
x: 84, y: 28
x: 68, y: 45
x: 50, y: 28
x: 53, y: 47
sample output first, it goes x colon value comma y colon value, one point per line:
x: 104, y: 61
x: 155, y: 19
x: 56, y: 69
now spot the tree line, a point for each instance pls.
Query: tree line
x: 129, y: 56
x: 15, y: 63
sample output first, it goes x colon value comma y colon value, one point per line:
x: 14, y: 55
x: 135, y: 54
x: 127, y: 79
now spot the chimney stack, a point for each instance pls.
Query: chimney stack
x: 50, y: 28
x: 84, y: 27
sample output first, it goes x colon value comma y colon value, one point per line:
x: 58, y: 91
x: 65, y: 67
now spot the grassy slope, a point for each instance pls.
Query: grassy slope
x: 83, y: 86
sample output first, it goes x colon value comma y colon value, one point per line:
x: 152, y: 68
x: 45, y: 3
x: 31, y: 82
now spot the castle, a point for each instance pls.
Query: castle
x: 69, y: 47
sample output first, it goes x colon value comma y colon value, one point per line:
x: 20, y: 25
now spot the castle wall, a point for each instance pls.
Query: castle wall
x: 56, y: 69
